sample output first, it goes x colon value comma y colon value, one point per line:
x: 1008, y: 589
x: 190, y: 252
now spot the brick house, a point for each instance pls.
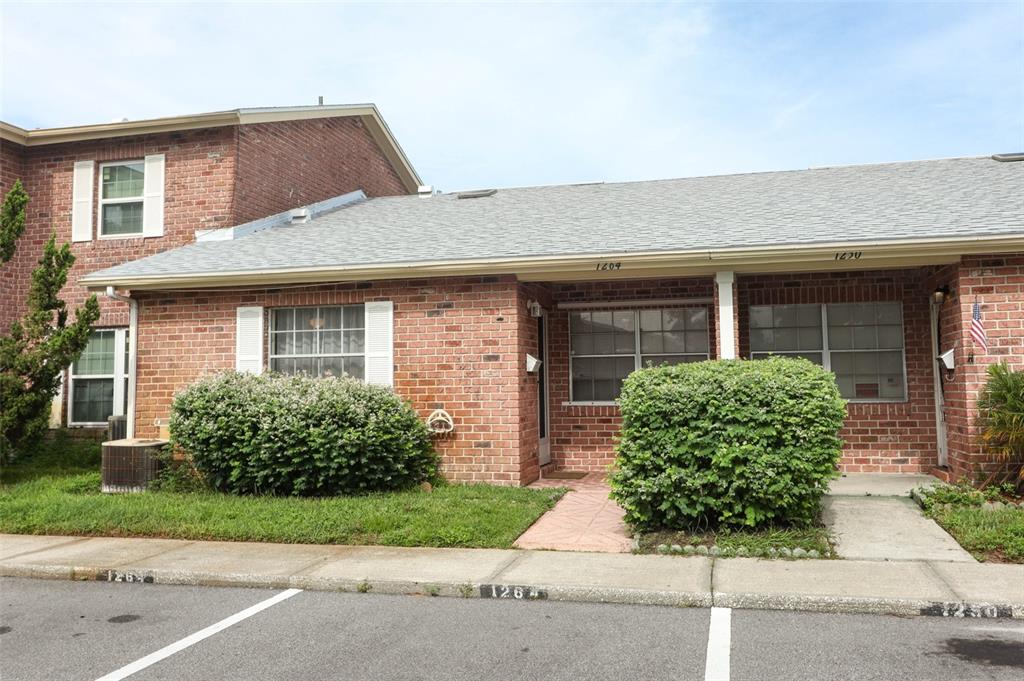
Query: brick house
x: 872, y: 271
x: 122, y: 191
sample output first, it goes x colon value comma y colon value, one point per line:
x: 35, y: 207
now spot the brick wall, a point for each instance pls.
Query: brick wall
x: 215, y: 177
x: 198, y: 195
x: 889, y: 437
x: 997, y: 283
x: 457, y: 347
x: 294, y: 163
x: 11, y: 168
x: 583, y: 436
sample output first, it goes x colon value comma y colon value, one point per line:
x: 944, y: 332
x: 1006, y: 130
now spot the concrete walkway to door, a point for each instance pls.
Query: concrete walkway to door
x: 873, y: 518
x: 585, y: 519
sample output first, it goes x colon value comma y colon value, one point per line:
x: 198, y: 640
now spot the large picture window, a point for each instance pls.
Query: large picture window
x: 861, y: 343
x: 319, y: 341
x: 121, y: 198
x: 99, y: 379
x: 605, y: 346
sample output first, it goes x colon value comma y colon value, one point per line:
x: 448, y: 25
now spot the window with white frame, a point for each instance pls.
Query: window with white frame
x: 319, y: 341
x: 605, y: 346
x: 861, y: 343
x: 121, y: 198
x: 98, y: 386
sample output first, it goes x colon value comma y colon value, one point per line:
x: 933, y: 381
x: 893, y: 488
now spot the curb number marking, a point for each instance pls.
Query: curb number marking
x: 126, y: 577
x: 968, y: 610
x: 512, y: 591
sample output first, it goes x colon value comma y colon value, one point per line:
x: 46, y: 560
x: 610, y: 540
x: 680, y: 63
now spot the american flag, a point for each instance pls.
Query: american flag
x: 978, y: 329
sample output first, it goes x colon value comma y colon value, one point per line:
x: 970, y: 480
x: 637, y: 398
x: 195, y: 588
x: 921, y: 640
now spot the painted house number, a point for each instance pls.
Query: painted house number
x: 607, y: 266
x: 129, y: 577
x: 849, y: 255
x: 514, y: 592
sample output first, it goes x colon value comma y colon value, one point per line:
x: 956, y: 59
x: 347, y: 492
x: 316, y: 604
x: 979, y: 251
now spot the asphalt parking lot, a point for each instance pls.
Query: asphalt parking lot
x: 89, y: 630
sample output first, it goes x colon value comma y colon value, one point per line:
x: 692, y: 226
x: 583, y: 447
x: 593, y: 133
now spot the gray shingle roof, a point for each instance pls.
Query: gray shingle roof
x: 895, y: 201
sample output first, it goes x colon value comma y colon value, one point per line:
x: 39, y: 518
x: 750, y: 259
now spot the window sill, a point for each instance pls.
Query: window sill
x: 115, y: 237
x: 97, y: 424
x: 590, y: 404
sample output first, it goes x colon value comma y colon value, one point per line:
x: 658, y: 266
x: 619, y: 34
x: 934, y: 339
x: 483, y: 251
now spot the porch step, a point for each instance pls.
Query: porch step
x: 565, y: 475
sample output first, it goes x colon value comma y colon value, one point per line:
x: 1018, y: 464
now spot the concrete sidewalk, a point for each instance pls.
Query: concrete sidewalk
x: 872, y: 517
x: 903, y: 588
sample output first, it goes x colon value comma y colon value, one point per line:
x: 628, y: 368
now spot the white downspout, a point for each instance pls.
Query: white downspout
x: 133, y: 344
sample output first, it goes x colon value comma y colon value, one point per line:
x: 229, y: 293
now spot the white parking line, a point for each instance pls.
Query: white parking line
x: 716, y: 663
x: 153, y: 658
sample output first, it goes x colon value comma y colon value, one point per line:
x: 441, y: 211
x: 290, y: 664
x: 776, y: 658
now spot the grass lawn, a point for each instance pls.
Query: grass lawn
x: 57, y: 491
x: 755, y: 542
x: 989, y: 535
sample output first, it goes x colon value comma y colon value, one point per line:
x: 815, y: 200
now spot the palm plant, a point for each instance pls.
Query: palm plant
x: 1001, y: 407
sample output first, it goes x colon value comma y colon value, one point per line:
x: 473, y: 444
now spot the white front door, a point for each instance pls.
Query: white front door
x: 544, y: 441
x: 937, y: 369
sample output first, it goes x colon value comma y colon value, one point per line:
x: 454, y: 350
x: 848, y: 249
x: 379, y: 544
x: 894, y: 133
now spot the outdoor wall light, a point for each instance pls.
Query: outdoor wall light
x: 939, y: 295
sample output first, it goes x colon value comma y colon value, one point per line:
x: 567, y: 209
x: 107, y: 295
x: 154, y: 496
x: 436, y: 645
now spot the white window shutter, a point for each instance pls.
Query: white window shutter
x: 380, y: 366
x: 153, y: 196
x: 81, y: 201
x: 249, y: 340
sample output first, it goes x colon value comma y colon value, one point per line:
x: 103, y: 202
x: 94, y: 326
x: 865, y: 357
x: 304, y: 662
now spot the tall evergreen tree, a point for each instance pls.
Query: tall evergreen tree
x: 43, y: 342
x: 12, y: 220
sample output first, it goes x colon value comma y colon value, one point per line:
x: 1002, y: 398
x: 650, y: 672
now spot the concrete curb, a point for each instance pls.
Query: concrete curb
x: 577, y: 594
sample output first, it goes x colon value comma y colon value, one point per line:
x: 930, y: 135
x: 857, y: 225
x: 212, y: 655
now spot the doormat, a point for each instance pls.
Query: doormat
x: 566, y: 475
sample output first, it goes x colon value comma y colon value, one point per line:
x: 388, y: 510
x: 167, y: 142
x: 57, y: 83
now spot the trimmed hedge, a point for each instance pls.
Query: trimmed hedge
x: 727, y: 443
x: 300, y: 436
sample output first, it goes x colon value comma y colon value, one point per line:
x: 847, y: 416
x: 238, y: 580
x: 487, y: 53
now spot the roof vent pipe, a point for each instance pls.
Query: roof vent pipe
x: 425, y: 191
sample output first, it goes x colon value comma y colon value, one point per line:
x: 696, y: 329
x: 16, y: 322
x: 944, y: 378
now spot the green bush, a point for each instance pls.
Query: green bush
x: 299, y: 436
x: 1001, y: 416
x: 727, y: 443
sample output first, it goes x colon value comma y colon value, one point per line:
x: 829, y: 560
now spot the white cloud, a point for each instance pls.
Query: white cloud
x: 500, y: 95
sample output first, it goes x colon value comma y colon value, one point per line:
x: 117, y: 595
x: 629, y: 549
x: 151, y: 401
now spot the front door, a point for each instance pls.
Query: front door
x: 544, y: 449
x: 940, y: 409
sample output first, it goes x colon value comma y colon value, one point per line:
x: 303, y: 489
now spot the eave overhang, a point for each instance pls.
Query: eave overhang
x: 838, y: 256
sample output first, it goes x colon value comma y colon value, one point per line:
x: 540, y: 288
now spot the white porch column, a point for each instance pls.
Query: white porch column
x: 725, y: 319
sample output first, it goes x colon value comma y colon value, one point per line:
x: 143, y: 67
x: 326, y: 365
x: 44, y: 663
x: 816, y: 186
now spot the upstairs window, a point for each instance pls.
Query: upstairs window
x: 861, y: 343
x: 121, y: 198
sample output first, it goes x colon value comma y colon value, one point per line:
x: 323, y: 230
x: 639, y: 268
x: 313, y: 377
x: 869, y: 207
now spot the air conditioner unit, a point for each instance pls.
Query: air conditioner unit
x: 129, y: 465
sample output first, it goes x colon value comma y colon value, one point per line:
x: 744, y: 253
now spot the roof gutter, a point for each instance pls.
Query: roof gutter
x: 787, y: 258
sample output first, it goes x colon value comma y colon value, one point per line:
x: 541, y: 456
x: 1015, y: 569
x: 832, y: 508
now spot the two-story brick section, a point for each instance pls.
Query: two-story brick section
x: 121, y: 191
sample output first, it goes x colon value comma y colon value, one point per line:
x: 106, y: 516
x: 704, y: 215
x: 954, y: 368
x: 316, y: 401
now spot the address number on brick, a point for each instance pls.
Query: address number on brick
x: 512, y: 591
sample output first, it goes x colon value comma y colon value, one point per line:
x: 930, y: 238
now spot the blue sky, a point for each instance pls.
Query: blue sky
x: 504, y: 95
